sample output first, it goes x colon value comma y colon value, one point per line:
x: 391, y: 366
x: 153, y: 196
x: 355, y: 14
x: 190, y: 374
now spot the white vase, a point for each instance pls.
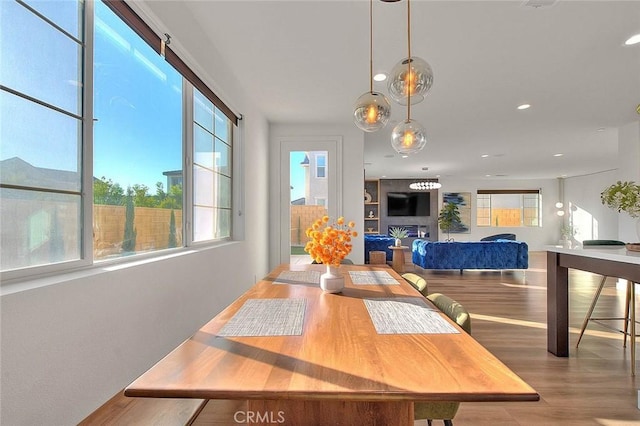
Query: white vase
x: 332, y: 281
x: 398, y: 242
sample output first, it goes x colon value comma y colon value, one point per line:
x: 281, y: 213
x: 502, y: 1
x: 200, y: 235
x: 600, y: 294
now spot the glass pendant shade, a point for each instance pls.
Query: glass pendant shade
x: 372, y: 111
x: 408, y: 137
x: 416, y: 81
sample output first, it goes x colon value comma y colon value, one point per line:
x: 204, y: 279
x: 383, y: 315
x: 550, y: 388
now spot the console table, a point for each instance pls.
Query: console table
x: 611, y: 261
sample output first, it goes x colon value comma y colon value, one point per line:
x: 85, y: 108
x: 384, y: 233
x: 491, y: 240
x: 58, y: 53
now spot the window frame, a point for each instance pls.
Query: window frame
x: 522, y: 193
x: 189, y: 78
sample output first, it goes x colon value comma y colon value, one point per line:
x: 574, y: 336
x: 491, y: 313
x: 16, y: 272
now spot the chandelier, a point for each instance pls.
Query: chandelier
x: 425, y: 186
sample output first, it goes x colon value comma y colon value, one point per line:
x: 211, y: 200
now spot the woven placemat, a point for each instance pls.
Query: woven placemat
x: 298, y: 277
x: 267, y: 317
x: 372, y: 278
x: 406, y: 315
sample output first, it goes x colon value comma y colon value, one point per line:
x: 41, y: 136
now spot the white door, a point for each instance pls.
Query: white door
x: 310, y: 176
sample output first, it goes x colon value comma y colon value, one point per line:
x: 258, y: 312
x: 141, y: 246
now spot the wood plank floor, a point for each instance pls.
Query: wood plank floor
x: 593, y: 386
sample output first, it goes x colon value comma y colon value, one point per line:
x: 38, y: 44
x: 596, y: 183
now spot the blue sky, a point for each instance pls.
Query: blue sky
x: 297, y: 174
x: 138, y: 105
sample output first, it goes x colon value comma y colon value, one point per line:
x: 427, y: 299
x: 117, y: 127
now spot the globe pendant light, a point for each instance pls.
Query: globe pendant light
x: 372, y: 110
x: 410, y: 82
x: 408, y: 137
x: 412, y: 77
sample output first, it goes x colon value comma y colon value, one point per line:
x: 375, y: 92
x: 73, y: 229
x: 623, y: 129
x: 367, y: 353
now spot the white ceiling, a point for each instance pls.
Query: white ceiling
x: 308, y: 61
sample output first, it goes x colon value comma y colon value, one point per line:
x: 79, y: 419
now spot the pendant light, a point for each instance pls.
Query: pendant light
x: 372, y: 110
x: 408, y: 137
x: 412, y: 77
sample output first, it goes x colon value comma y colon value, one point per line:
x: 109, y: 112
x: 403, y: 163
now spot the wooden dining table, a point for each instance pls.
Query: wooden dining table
x: 303, y: 357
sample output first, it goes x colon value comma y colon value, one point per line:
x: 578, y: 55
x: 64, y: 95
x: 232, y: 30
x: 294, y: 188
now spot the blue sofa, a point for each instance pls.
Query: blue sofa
x: 378, y: 243
x: 499, y: 254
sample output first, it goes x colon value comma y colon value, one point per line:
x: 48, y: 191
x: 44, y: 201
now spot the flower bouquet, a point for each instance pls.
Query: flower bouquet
x: 329, y: 244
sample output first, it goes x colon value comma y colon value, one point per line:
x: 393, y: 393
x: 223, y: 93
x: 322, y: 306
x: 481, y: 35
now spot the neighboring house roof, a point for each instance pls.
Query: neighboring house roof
x: 299, y: 202
x: 305, y: 162
x: 16, y: 171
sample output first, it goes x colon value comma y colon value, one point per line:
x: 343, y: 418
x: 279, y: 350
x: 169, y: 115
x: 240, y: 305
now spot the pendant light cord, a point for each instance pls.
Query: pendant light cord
x: 409, y: 59
x: 371, y: 46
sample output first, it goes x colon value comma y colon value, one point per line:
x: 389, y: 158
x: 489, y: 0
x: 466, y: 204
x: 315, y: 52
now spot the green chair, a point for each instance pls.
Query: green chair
x: 445, y: 411
x: 417, y: 282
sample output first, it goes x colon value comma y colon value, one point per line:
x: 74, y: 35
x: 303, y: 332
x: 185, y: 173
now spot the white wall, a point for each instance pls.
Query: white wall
x: 583, y: 192
x: 72, y: 341
x: 629, y: 169
x: 352, y: 195
x: 587, y: 214
x: 536, y: 238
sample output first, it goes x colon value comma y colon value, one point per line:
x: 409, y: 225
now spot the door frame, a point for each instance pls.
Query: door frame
x: 333, y: 146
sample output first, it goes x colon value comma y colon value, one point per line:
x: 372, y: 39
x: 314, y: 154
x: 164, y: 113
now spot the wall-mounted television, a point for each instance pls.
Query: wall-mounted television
x: 408, y: 203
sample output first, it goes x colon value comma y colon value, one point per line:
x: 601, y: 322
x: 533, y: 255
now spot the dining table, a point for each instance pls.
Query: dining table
x: 363, y: 356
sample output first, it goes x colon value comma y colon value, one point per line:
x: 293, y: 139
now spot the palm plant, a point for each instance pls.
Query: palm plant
x: 398, y: 232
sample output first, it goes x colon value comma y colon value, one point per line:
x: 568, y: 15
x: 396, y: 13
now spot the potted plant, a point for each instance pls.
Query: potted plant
x: 624, y: 197
x: 449, y: 218
x: 398, y: 232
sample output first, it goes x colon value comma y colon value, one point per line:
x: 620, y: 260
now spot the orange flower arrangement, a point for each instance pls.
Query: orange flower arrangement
x: 331, y: 244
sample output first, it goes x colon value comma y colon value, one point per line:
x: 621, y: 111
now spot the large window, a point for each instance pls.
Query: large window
x: 41, y: 133
x: 508, y: 208
x: 140, y: 151
x: 137, y: 143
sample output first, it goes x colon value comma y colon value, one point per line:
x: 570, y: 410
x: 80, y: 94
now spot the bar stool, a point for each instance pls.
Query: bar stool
x: 629, y: 309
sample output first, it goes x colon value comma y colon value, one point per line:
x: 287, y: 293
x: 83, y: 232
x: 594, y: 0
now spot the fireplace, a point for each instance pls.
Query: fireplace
x: 413, y: 230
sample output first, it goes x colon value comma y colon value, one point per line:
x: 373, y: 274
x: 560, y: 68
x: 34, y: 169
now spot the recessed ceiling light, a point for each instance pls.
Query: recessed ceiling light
x: 484, y: 155
x: 380, y: 77
x: 558, y: 155
x: 524, y: 106
x: 405, y: 156
x: 487, y: 175
x: 634, y: 39
x: 600, y: 129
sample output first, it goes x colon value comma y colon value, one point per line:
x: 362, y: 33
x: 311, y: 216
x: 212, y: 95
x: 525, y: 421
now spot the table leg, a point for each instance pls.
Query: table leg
x: 557, y: 306
x: 633, y: 327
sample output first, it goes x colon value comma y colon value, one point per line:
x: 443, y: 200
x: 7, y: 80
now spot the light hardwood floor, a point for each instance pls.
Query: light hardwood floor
x: 593, y: 386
